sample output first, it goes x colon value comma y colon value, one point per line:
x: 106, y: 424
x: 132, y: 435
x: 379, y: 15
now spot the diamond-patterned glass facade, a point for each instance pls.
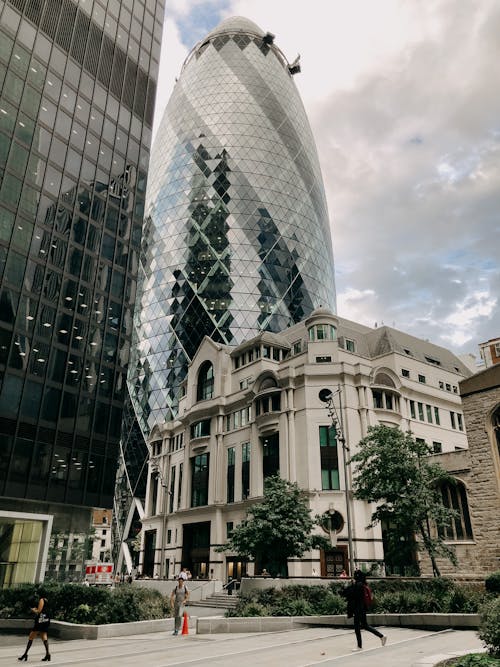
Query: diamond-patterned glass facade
x: 237, y: 237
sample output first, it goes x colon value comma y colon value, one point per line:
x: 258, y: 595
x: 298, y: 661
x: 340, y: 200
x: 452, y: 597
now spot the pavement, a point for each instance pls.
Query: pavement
x: 306, y: 647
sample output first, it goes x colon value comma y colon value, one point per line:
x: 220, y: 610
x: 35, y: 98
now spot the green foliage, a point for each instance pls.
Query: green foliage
x: 489, y: 627
x: 278, y: 528
x: 90, y: 605
x: 492, y: 583
x: 392, y: 596
x: 394, y: 471
x: 471, y: 660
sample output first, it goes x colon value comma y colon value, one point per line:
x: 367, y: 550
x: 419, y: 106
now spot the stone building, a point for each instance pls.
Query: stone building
x: 481, y: 406
x: 252, y: 410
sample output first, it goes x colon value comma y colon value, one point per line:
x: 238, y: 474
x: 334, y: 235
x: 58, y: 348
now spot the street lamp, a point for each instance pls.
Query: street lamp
x: 326, y: 396
x: 155, y: 469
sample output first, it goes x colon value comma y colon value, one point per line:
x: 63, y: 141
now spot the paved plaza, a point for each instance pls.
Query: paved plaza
x: 297, y: 648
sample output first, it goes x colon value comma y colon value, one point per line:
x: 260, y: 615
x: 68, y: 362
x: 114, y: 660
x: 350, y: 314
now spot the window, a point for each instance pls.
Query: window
x: 456, y: 421
x: 329, y: 458
x: 245, y: 470
x: 103, y: 543
x: 421, y: 378
x: 200, y: 429
x: 179, y: 486
x: 349, y: 345
x: 436, y: 362
x: 205, y: 388
x: 269, y: 403
x: 297, y: 347
x: 229, y: 528
x: 172, y: 490
x: 454, y: 497
x: 412, y: 410
x: 199, y: 480
x: 230, y: 474
x: 437, y: 447
x: 322, y: 332
x: 448, y: 387
x: 436, y: 416
x: 420, y: 411
x: 428, y: 411
x: 271, y: 455
x: 405, y: 372
x: 169, y: 536
x: 441, y: 384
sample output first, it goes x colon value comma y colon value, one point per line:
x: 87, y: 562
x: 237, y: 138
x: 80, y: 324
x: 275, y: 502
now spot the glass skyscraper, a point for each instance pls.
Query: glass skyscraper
x: 78, y: 83
x: 237, y: 236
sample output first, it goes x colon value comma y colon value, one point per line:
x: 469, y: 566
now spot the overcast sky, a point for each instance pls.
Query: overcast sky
x: 404, y: 103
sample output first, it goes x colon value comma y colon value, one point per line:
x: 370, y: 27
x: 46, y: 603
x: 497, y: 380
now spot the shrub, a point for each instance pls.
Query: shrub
x: 298, y: 607
x: 80, y: 604
x: 489, y: 626
x: 492, y: 583
x: 471, y: 660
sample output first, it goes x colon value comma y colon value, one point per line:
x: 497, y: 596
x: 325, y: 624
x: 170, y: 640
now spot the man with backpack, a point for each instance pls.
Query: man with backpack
x: 359, y: 599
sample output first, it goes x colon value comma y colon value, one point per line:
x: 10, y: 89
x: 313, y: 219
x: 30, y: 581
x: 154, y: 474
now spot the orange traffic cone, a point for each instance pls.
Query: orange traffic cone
x: 185, y: 625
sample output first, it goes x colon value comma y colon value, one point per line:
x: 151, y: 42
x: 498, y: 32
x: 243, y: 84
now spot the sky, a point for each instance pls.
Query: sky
x: 403, y: 100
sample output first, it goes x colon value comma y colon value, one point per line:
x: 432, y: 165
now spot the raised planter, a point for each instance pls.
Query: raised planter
x: 277, y: 623
x: 65, y: 630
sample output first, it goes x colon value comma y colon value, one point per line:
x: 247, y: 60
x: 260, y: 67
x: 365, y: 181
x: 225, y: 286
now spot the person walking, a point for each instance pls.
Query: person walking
x: 42, y: 622
x: 178, y: 599
x: 357, y: 595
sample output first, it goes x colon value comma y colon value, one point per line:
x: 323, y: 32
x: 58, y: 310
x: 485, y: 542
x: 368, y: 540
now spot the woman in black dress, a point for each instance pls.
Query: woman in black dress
x: 42, y: 622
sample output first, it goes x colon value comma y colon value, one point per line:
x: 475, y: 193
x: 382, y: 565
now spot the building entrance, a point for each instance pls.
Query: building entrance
x: 196, y: 548
x: 334, y: 561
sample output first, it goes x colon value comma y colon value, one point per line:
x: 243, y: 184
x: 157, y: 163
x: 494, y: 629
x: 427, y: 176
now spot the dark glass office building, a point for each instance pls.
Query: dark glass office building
x: 78, y: 83
x: 237, y: 234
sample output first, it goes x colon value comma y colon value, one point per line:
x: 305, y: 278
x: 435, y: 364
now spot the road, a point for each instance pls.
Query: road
x: 298, y: 648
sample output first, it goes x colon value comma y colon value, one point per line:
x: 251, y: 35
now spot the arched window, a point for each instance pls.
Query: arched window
x: 384, y: 379
x: 455, y: 497
x: 268, y: 383
x: 205, y: 382
x: 496, y: 428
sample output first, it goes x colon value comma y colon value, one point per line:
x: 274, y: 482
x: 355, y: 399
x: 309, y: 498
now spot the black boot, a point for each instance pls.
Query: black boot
x: 47, y: 654
x: 24, y: 656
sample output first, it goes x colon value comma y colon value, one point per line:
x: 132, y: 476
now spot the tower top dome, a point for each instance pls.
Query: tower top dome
x: 235, y: 24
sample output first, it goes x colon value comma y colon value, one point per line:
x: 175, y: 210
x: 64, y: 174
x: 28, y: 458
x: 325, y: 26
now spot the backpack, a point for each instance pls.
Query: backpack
x: 367, y: 596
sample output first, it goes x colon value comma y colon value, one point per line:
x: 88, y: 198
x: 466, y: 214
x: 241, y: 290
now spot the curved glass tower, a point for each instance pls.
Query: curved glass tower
x: 237, y: 236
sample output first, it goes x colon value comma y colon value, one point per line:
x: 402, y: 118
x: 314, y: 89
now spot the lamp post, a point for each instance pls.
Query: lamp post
x: 326, y: 396
x: 155, y: 469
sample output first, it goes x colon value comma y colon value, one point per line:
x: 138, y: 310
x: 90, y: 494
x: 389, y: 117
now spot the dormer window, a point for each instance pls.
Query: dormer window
x: 205, y: 389
x: 320, y: 332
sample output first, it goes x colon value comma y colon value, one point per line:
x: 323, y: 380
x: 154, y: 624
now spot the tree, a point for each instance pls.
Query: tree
x: 393, y: 471
x: 278, y: 528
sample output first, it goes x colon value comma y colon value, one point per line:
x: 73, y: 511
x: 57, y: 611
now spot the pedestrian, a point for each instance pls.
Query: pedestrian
x: 184, y: 574
x: 357, y: 594
x: 343, y: 574
x: 42, y: 622
x: 178, y: 599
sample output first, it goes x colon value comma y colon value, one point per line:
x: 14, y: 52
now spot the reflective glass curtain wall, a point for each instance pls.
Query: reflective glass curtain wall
x: 77, y: 82
x: 237, y: 236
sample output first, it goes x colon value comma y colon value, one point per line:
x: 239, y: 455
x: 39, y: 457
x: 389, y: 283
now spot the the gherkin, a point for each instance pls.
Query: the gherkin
x: 237, y: 235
